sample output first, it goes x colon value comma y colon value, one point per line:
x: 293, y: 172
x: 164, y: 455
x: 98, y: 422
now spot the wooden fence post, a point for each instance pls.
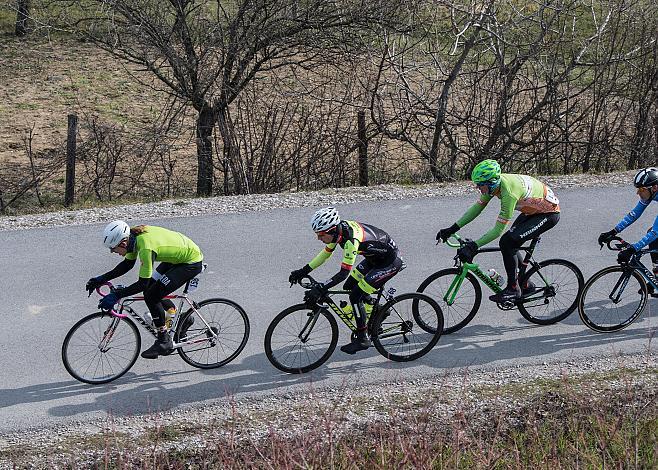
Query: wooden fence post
x: 69, y: 194
x: 363, y: 148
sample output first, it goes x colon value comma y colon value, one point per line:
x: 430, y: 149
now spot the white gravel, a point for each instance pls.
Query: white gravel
x: 259, y: 202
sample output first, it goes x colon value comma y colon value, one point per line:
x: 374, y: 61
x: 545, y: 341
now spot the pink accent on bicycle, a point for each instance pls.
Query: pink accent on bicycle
x: 112, y: 312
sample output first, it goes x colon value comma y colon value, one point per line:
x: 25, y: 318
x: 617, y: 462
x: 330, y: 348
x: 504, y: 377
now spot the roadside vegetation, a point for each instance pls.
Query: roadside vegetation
x: 596, y: 420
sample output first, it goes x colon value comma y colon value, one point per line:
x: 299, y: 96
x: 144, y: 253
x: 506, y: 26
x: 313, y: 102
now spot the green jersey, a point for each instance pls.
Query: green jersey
x: 516, y: 192
x: 160, y: 244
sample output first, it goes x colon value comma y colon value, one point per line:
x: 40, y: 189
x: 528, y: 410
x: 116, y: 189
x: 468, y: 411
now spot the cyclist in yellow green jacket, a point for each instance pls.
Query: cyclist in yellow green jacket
x: 540, y: 211
x: 180, y: 260
x: 381, y: 262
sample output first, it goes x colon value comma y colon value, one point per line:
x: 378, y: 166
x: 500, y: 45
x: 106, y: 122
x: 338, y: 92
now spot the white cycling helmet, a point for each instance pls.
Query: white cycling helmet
x: 114, y: 233
x: 324, y: 219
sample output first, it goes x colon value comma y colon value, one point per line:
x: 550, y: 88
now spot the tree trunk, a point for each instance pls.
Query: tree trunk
x: 204, y: 130
x: 363, y: 149
x: 22, y: 17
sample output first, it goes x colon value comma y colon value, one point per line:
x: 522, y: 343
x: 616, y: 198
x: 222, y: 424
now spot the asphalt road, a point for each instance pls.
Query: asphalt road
x: 250, y: 256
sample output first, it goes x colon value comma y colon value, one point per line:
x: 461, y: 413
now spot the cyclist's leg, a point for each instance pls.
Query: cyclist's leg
x: 525, y: 227
x: 170, y: 280
x: 157, y: 274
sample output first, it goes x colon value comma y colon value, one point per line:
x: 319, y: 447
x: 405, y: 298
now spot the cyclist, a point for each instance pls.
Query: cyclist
x: 540, y: 211
x: 180, y: 260
x: 646, y: 182
x: 381, y: 261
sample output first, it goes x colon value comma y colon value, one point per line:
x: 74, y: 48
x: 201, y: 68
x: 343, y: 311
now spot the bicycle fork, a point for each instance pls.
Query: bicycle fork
x: 620, y: 286
x: 104, y: 345
x: 310, y: 324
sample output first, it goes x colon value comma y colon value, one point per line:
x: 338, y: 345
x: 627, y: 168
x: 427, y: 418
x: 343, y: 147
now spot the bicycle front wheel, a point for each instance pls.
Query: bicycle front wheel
x: 557, y: 285
x: 458, y: 312
x: 396, y: 331
x: 612, y: 299
x: 213, y: 335
x: 300, y: 339
x: 100, y: 348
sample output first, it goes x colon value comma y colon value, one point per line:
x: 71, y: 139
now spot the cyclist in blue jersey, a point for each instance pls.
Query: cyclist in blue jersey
x: 646, y: 182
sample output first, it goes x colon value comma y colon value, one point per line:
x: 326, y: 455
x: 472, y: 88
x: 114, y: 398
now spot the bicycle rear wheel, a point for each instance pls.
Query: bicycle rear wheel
x: 214, y: 336
x: 612, y: 299
x: 466, y: 303
x: 396, y: 331
x: 558, y: 284
x: 100, y: 348
x: 300, y: 339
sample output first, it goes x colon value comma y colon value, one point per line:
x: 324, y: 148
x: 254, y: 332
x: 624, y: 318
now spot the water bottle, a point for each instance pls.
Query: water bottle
x: 495, y: 277
x: 169, y: 317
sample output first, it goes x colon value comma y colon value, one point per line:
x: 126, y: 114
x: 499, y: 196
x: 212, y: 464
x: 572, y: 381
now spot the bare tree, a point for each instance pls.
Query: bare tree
x: 22, y: 17
x: 206, y: 51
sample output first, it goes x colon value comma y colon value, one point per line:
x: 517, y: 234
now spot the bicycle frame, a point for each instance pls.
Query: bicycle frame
x: 451, y: 293
x: 635, y: 265
x: 340, y: 313
x: 125, y: 306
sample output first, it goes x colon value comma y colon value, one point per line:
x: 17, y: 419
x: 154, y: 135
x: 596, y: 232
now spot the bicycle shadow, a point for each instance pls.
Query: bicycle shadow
x: 141, y: 394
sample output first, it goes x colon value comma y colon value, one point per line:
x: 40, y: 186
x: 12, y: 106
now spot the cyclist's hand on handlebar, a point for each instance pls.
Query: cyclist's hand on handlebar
x: 467, y: 251
x: 314, y: 294
x: 445, y: 233
x: 298, y: 274
x: 606, y: 237
x: 626, y: 254
x: 94, y: 283
x: 108, y: 301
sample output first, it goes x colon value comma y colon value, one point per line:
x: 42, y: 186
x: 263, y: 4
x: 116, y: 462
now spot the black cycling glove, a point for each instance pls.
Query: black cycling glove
x: 446, y: 233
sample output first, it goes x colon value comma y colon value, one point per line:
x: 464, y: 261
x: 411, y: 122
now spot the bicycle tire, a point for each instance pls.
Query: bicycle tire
x: 466, y: 304
x: 230, y: 333
x: 291, y: 354
x: 393, y: 333
x: 566, y: 284
x: 82, y: 356
x: 591, y: 303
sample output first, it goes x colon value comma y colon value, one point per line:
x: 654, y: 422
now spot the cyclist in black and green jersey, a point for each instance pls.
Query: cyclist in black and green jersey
x: 381, y: 262
x: 540, y: 211
x: 180, y: 260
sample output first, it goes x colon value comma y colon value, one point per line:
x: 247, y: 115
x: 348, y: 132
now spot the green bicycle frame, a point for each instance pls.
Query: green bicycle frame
x: 451, y: 293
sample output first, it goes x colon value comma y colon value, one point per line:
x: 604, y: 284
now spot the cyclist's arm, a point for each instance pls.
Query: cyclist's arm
x: 323, y: 256
x: 632, y: 216
x: 473, y: 211
x: 349, y: 257
x: 651, y: 235
x: 507, y: 205
x: 146, y: 257
x: 119, y: 270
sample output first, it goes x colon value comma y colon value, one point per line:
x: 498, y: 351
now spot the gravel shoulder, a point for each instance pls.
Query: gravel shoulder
x: 261, y: 202
x: 447, y: 397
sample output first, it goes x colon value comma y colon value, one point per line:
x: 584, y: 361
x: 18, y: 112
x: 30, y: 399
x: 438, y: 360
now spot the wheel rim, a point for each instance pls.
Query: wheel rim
x: 601, y: 313
x: 219, y: 344
x: 92, y: 356
x: 294, y: 348
x: 548, y: 304
x: 399, y: 335
x: 465, y: 304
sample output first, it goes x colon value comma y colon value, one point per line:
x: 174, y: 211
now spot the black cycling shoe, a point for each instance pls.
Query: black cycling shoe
x: 163, y: 346
x: 359, y: 344
x: 509, y: 294
x: 529, y: 288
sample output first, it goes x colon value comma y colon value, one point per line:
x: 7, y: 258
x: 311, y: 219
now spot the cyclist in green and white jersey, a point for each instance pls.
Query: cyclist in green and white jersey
x: 180, y: 260
x: 540, y: 211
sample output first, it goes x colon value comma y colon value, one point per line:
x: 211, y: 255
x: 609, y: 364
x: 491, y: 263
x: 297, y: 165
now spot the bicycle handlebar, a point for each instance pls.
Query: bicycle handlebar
x: 459, y: 239
x: 617, y: 247
x: 99, y: 292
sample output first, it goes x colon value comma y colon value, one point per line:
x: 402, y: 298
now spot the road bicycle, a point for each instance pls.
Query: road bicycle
x: 104, y: 345
x: 303, y: 337
x: 557, y: 284
x: 616, y: 296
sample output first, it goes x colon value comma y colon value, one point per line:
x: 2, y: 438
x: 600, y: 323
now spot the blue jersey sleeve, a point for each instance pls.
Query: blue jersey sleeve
x: 632, y: 216
x: 651, y: 235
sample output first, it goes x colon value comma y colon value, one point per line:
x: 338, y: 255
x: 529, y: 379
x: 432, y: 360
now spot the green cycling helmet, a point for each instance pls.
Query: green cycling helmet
x: 486, y: 171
